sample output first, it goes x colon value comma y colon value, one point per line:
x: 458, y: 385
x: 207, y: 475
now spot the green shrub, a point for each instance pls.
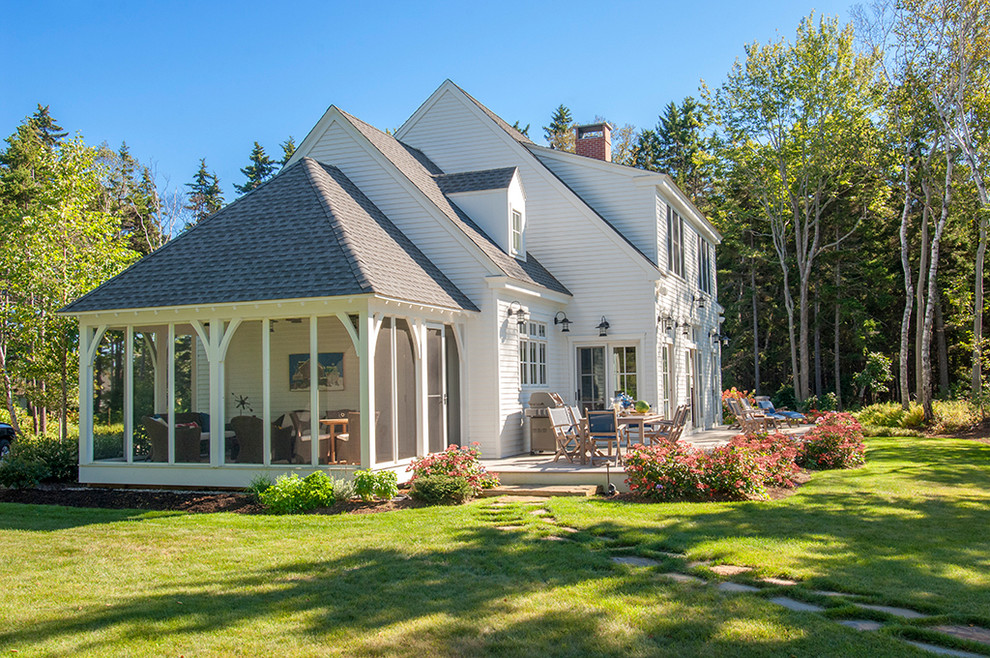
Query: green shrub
x: 18, y: 471
x: 369, y: 485
x: 874, y: 430
x: 955, y: 415
x: 291, y: 495
x: 59, y: 459
x: 343, y: 489
x: 259, y: 485
x: 441, y: 489
x: 456, y: 461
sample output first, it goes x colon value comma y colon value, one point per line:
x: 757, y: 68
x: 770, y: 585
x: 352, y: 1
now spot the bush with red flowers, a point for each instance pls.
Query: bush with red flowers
x: 456, y: 461
x: 664, y: 472
x: 775, y: 455
x: 836, y: 441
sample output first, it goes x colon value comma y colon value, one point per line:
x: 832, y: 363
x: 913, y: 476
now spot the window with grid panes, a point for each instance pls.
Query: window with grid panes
x: 624, y: 362
x: 533, y: 354
x: 675, y: 242
x: 517, y: 233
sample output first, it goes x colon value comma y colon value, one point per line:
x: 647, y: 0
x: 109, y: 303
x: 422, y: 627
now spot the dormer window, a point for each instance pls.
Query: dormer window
x: 516, y: 233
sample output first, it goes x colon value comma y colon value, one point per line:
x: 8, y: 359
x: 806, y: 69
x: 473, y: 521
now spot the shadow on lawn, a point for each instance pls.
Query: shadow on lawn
x: 46, y: 518
x: 465, y: 601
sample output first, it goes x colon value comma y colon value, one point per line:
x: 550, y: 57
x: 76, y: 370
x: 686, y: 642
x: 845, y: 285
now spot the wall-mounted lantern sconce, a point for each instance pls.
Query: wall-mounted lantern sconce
x: 685, y: 326
x: 719, y: 338
x: 698, y: 299
x: 565, y: 324
x: 603, y: 327
x: 665, y: 320
x: 516, y: 309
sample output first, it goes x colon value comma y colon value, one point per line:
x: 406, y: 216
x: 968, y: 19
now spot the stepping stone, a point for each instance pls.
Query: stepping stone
x: 862, y: 624
x: 539, y: 512
x: 820, y: 592
x: 553, y: 538
x: 697, y: 563
x: 729, y: 569
x: 634, y: 561
x: 782, y: 582
x: 934, y: 648
x: 797, y: 606
x: 971, y: 633
x: 736, y: 587
x: 566, y: 529
x: 903, y: 613
x: 508, y: 527
x: 682, y: 578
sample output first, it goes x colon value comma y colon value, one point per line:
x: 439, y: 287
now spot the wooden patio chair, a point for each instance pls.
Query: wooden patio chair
x: 566, y: 435
x: 602, y: 429
x: 669, y: 431
x: 250, y: 433
x: 750, y: 421
x: 158, y: 436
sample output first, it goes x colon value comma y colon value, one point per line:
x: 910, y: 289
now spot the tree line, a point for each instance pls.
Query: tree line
x: 847, y: 169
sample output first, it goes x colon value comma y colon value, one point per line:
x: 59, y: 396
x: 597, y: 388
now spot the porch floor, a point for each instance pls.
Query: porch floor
x: 540, y: 469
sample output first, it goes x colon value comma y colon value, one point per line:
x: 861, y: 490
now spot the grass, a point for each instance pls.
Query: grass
x: 908, y: 529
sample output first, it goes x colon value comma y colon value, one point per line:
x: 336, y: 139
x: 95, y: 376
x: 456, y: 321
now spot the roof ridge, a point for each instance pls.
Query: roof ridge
x: 315, y: 171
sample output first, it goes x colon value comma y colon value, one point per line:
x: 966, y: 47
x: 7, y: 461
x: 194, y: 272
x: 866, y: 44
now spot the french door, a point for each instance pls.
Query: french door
x: 603, y: 371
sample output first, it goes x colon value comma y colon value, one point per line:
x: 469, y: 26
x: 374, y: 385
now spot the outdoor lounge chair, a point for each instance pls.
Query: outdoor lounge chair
x: 750, y: 420
x: 791, y: 417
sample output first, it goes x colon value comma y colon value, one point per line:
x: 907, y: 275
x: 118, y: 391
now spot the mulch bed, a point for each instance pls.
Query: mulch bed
x: 193, y: 502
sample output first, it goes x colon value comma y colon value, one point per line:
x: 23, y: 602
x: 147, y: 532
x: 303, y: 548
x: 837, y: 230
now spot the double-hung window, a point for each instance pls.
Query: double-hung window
x: 675, y: 242
x: 704, y: 265
x: 533, y: 354
x: 517, y: 233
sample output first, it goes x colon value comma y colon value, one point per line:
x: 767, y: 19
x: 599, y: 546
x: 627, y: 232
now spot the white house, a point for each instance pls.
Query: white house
x: 429, y: 281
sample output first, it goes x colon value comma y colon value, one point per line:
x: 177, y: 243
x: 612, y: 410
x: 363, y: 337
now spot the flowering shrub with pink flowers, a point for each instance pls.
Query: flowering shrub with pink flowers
x: 664, y: 472
x: 836, y: 441
x: 775, y: 454
x: 732, y: 472
x: 456, y: 461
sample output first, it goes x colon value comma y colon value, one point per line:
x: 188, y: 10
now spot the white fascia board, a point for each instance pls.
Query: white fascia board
x: 519, y: 287
x: 576, y: 201
x: 314, y: 135
x: 382, y: 301
x: 250, y: 310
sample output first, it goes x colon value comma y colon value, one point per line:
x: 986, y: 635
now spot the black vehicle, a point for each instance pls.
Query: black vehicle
x: 6, y: 438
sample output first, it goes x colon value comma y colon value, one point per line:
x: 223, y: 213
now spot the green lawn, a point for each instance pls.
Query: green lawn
x: 912, y: 528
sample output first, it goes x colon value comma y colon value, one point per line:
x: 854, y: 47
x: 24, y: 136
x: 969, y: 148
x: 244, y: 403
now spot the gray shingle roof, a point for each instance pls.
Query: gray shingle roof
x: 475, y: 181
x: 422, y: 173
x: 308, y: 232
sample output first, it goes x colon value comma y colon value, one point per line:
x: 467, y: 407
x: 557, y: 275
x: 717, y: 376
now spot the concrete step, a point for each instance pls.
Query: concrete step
x: 540, y: 490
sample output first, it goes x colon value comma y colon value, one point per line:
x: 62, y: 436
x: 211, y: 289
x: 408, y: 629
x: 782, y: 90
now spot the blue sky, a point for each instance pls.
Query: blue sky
x: 181, y: 81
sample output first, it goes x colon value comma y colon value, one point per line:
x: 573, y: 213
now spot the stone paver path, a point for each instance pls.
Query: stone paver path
x: 683, y: 578
x: 903, y: 613
x: 736, y: 587
x: 862, y: 624
x: 797, y: 606
x: 971, y: 633
x: 783, y: 582
x: 934, y: 648
x: 729, y: 569
x: 634, y: 561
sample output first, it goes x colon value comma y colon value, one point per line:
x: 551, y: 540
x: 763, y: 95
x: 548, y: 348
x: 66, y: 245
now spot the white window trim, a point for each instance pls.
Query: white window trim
x: 521, y: 249
x: 535, y: 341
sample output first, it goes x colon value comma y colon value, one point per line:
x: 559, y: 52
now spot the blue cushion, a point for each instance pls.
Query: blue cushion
x: 204, y: 422
x: 766, y: 405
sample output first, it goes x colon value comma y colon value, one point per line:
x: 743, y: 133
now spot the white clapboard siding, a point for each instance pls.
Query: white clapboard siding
x: 628, y: 207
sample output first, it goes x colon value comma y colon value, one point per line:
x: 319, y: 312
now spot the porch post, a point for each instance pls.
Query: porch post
x: 170, y: 392
x: 216, y: 391
x: 85, y: 397
x: 422, y: 368
x: 314, y: 394
x: 366, y: 356
x: 129, y: 394
x: 266, y: 390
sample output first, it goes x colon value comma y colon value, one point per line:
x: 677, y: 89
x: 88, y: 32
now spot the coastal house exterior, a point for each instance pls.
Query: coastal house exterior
x: 393, y: 294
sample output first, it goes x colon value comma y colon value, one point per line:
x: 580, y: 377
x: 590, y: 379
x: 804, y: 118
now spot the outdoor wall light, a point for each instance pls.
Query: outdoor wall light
x: 685, y: 325
x: 603, y: 327
x: 719, y: 338
x: 565, y: 324
x: 516, y: 309
x: 698, y: 299
x: 665, y: 320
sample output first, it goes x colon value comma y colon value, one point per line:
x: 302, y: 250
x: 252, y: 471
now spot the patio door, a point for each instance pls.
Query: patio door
x: 436, y: 388
x: 591, y: 377
x: 691, y: 358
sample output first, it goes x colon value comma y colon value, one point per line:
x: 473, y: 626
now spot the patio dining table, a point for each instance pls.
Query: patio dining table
x: 335, y: 426
x: 630, y: 420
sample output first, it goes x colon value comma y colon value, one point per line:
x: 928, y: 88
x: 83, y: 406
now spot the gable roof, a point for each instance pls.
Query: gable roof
x: 308, y: 232
x: 476, y: 181
x: 422, y: 173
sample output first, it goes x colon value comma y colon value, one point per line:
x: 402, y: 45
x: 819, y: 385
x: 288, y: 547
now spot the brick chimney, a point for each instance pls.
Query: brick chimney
x: 594, y: 141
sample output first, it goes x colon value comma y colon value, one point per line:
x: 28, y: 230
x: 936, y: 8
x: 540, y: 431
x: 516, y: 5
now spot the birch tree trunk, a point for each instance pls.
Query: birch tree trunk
x: 908, y: 291
x: 926, y: 338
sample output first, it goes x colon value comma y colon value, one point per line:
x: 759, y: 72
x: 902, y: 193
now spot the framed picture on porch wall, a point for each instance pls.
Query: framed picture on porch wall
x: 329, y: 371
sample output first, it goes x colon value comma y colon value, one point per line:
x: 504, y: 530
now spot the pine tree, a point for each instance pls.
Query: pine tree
x: 47, y: 129
x: 205, y: 197
x: 560, y: 132
x: 524, y: 131
x: 261, y: 169
x: 135, y: 201
x: 288, y: 148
